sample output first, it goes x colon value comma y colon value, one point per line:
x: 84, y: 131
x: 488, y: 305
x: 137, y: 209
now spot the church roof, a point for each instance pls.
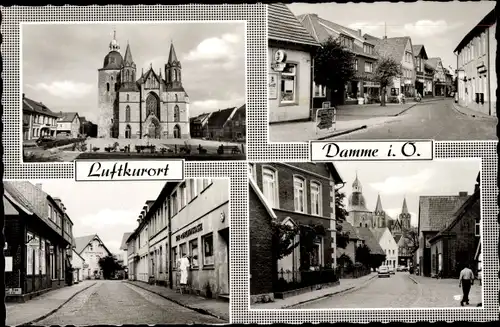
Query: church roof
x: 357, y: 201
x: 436, y: 212
x: 378, y: 233
x: 404, y: 209
x: 349, y: 229
x: 397, y: 237
x: 172, y: 57
x: 127, y: 60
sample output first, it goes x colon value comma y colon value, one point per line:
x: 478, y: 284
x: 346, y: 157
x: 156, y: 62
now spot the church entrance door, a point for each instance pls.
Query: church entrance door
x: 127, y: 132
x: 177, y: 132
x: 153, y: 131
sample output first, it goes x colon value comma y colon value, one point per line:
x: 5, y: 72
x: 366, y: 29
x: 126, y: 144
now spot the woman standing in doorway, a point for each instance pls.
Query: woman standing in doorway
x: 184, y: 268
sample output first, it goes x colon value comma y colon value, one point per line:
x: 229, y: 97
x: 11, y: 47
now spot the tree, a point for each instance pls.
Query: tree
x: 283, y: 239
x: 411, y: 239
x: 386, y: 69
x: 342, y: 237
x: 333, y: 65
x: 362, y: 255
x: 109, y: 266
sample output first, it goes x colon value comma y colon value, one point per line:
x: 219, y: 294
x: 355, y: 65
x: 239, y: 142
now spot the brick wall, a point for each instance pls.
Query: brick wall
x: 262, y: 261
x: 14, y: 236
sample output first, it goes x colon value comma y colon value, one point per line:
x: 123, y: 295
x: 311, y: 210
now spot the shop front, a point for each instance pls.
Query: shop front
x: 205, y: 241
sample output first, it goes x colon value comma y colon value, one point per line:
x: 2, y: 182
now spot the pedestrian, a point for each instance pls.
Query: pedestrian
x: 466, y: 280
x: 183, y: 267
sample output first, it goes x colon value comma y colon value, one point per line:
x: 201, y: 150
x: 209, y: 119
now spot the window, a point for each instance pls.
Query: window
x: 182, y: 250
x: 346, y: 42
x: 251, y: 170
x: 316, y: 257
x: 176, y: 113
x: 206, y: 182
x: 208, y: 250
x: 288, y: 83
x: 192, y: 188
x: 29, y: 254
x: 127, y: 113
x: 316, y: 198
x: 270, y: 186
x: 128, y: 96
x: 173, y: 203
x: 368, y: 67
x: 299, y: 194
x: 356, y: 64
x: 367, y: 49
x: 50, y: 211
x: 183, y: 195
x: 174, y: 257
x: 319, y: 91
x: 193, y: 251
x: 107, y: 87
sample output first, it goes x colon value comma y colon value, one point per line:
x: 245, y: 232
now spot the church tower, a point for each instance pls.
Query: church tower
x: 129, y: 68
x: 404, y: 216
x: 173, y: 70
x: 359, y: 215
x: 379, y: 215
x: 108, y: 86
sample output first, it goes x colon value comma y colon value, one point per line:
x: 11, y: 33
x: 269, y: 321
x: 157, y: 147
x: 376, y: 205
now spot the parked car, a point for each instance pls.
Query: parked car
x: 402, y: 268
x: 383, y: 271
x: 392, y: 271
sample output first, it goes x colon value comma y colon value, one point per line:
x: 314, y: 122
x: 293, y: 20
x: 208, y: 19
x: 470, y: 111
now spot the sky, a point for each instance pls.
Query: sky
x: 106, y: 209
x: 439, y: 26
x: 395, y: 180
x: 60, y: 62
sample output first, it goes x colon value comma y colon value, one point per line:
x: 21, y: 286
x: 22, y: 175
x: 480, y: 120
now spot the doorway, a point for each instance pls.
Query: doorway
x: 128, y: 132
x: 177, y: 132
x: 224, y: 271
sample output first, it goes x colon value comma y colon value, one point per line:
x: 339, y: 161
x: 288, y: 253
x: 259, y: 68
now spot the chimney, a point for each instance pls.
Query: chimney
x: 462, y: 194
x: 359, y: 32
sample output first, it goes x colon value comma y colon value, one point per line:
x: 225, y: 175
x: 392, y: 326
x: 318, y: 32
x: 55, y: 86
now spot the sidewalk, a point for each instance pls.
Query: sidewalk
x: 444, y: 292
x: 346, y: 285
x: 373, y: 110
x: 472, y: 113
x: 43, y: 305
x: 212, y: 307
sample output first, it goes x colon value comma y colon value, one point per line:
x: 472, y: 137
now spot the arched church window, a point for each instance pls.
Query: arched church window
x: 175, y: 74
x: 179, y: 75
x: 107, y: 87
x: 169, y: 76
x: 360, y: 225
x: 152, y: 105
x: 366, y: 225
x: 176, y: 113
x: 127, y: 114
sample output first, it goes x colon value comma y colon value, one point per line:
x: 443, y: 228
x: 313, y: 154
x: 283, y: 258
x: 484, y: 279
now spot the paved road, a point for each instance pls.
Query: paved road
x: 116, y: 303
x: 436, y: 120
x: 397, y: 291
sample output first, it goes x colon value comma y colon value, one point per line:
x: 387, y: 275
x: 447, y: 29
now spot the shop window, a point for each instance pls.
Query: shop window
x: 193, y: 252
x: 368, y: 67
x: 316, y: 199
x: 183, y: 196
x: 208, y: 249
x: 299, y: 194
x: 174, y: 258
x: 319, y: 91
x: 29, y: 254
x: 270, y: 186
x: 182, y: 250
x: 289, y: 84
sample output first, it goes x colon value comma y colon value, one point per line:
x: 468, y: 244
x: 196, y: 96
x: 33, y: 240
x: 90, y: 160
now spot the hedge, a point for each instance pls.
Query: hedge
x: 61, y: 142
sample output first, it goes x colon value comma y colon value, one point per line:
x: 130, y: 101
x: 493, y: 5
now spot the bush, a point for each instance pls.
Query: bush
x: 61, y: 142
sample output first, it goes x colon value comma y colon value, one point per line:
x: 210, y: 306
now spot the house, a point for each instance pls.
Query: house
x: 435, y: 213
x: 362, y: 85
x: 366, y: 237
x: 424, y: 81
x: 401, y: 50
x: 235, y: 127
x: 68, y: 123
x: 216, y: 122
x: 388, y: 244
x: 450, y: 87
x: 476, y: 70
x: 293, y: 194
x: 290, y: 51
x: 78, y: 264
x: 198, y: 125
x: 190, y: 218
x: 91, y: 248
x: 38, y: 120
x: 439, y: 82
x: 350, y: 249
x: 124, y: 251
x: 456, y: 245
x: 38, y: 241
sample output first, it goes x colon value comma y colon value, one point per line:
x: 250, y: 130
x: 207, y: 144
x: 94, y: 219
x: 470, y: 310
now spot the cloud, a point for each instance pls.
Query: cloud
x: 368, y: 27
x: 215, y: 48
x: 405, y: 184
x: 64, y: 89
x: 428, y: 28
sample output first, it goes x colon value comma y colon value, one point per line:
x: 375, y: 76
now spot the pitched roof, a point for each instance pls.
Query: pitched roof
x: 219, y: 118
x: 38, y: 107
x: 393, y: 47
x: 82, y: 241
x: 16, y: 196
x: 127, y: 60
x: 262, y: 198
x: 419, y: 49
x: 436, y: 212
x: 378, y: 233
x: 347, y: 228
x: 474, y: 198
x: 366, y: 235
x: 378, y: 207
x: 282, y: 25
x: 404, y: 209
x: 321, y: 29
x: 125, y: 237
x: 67, y: 116
x: 486, y: 22
x: 433, y: 62
x: 172, y: 57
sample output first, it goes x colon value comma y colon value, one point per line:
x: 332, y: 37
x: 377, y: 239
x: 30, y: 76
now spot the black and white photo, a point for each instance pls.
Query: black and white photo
x: 365, y: 234
x: 83, y: 253
x: 422, y: 70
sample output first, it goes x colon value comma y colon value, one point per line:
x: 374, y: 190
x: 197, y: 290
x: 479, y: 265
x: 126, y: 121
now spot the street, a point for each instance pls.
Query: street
x: 398, y: 291
x: 436, y: 120
x: 117, y: 302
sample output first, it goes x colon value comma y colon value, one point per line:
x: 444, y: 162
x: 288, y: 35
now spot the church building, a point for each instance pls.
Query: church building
x: 151, y: 105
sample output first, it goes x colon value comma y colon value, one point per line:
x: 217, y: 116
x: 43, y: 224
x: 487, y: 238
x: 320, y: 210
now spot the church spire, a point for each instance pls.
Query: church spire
x: 378, y: 207
x: 113, y: 45
x: 128, y: 61
x: 356, y: 185
x: 172, y: 57
x: 405, y: 207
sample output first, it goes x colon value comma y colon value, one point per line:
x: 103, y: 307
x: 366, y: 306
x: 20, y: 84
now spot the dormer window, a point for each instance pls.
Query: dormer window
x: 368, y: 48
x: 347, y: 42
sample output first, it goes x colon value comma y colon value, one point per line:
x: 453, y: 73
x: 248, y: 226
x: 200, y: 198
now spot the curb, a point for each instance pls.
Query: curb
x: 202, y: 311
x: 347, y: 290
x: 412, y: 279
x: 405, y: 110
x: 456, y: 108
x: 59, y: 307
x: 347, y: 131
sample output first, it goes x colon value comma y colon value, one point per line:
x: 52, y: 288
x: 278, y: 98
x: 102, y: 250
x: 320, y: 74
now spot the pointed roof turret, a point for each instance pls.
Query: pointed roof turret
x: 113, y: 45
x: 405, y: 207
x: 356, y: 185
x: 172, y: 56
x: 128, y: 61
x: 378, y: 207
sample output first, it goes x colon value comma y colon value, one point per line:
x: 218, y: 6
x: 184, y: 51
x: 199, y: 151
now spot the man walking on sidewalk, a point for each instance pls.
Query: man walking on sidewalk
x: 466, y: 280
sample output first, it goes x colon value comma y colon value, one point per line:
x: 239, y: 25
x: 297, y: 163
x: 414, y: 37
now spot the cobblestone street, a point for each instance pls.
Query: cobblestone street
x: 399, y: 291
x: 116, y: 303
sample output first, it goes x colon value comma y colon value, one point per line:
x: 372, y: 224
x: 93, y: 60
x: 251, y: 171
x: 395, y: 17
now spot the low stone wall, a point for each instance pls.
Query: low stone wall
x: 287, y: 294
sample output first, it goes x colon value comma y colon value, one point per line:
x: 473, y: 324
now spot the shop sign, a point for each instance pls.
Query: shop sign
x: 273, y: 85
x: 8, y: 264
x: 278, y: 66
x: 13, y: 291
x: 325, y: 118
x: 279, y: 56
x: 191, y: 231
